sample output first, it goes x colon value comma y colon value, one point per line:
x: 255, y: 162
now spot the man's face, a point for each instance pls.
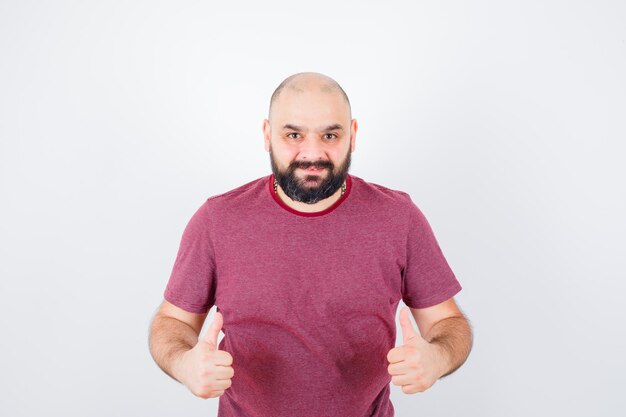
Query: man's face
x: 310, y: 138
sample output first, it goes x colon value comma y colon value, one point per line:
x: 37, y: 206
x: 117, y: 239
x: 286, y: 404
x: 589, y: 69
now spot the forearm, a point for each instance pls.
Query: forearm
x: 169, y: 339
x: 453, y: 339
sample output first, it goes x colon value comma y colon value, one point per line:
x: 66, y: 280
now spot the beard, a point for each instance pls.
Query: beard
x: 297, y: 189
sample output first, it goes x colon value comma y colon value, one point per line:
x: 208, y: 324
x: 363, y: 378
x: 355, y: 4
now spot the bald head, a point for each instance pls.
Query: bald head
x: 308, y: 81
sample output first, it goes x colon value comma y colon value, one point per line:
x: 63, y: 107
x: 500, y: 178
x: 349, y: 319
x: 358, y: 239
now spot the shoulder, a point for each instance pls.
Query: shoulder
x: 390, y: 202
x: 246, y: 195
x: 373, y: 192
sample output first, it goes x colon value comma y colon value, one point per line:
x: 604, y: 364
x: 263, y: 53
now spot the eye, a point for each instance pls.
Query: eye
x: 290, y: 137
x: 331, y: 134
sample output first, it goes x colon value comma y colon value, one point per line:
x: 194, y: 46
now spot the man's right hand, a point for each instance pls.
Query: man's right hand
x: 204, y: 369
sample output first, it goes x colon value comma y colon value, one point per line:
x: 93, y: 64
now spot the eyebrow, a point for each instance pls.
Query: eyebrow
x: 335, y: 126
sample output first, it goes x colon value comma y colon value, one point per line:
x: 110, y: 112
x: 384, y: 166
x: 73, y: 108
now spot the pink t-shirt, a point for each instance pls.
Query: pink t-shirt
x: 309, y: 299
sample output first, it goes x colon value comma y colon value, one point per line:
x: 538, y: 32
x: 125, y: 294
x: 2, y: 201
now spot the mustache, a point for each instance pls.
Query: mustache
x: 315, y: 165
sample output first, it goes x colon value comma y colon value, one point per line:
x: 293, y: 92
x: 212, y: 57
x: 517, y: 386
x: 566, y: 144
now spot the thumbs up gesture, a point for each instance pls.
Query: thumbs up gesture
x: 204, y: 369
x: 416, y: 365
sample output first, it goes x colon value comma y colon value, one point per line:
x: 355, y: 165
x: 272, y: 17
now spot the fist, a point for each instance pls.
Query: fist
x: 204, y: 369
x: 416, y: 365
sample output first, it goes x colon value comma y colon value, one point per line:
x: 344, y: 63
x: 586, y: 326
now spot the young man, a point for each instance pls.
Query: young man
x: 307, y: 267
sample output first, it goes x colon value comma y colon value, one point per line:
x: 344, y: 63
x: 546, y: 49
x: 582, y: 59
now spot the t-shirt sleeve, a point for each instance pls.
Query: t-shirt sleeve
x: 192, y: 283
x: 427, y: 279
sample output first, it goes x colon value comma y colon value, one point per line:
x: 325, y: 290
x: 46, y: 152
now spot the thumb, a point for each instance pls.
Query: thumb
x: 210, y: 337
x: 408, y: 332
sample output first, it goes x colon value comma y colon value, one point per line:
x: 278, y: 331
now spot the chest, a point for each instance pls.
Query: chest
x: 320, y: 272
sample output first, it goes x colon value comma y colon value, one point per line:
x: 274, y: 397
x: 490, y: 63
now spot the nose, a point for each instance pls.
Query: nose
x: 312, y: 149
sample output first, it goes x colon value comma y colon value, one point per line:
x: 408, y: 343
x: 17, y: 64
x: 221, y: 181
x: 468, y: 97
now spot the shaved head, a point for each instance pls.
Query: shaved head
x: 308, y: 81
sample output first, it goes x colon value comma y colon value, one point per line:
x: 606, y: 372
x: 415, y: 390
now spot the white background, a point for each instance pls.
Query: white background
x: 504, y: 120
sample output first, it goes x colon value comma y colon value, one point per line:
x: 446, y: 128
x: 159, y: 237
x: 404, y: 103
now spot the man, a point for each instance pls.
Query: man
x: 307, y: 267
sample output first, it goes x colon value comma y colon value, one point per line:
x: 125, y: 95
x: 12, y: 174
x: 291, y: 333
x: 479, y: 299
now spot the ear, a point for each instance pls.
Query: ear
x: 353, y: 128
x: 266, y: 134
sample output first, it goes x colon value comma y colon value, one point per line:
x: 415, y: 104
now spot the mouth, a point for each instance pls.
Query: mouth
x: 313, y: 170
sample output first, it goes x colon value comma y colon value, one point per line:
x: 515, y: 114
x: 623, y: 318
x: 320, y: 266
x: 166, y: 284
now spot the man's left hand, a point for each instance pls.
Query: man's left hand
x: 417, y: 364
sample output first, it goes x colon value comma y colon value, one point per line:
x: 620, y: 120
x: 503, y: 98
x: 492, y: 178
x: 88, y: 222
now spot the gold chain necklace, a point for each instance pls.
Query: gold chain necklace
x: 343, y: 187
